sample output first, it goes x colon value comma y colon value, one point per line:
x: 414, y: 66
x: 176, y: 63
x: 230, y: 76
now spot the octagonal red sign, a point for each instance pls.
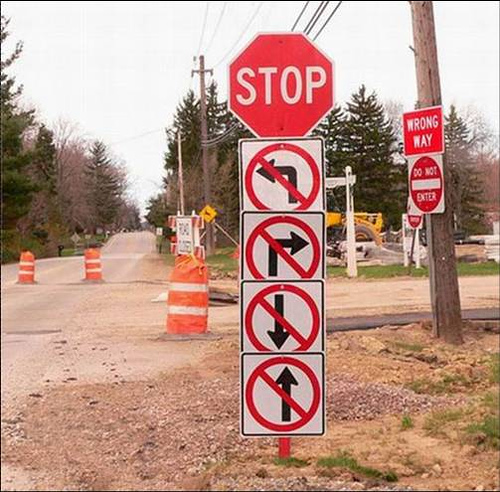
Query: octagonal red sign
x: 281, y: 85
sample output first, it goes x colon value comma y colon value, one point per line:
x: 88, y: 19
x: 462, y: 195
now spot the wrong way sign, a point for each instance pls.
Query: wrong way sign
x: 285, y: 246
x: 426, y: 185
x: 282, y: 174
x: 282, y: 394
x: 282, y: 316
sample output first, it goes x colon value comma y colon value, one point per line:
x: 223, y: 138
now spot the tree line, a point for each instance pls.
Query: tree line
x: 54, y: 181
x: 364, y: 133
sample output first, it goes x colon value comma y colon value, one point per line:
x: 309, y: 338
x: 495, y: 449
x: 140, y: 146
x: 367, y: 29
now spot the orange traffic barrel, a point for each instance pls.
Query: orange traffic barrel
x: 187, y: 301
x: 93, y: 269
x: 26, y: 268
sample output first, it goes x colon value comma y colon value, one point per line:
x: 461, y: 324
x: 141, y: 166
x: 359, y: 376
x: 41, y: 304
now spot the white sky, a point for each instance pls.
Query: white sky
x: 119, y: 69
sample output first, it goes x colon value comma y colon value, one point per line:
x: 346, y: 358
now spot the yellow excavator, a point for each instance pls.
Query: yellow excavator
x: 368, y: 226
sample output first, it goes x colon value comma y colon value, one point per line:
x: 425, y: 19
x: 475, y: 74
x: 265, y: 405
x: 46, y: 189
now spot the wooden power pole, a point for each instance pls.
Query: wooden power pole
x: 445, y: 296
x: 210, y: 244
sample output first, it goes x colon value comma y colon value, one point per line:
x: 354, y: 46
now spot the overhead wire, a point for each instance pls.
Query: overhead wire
x: 202, y: 35
x: 327, y: 20
x: 219, y: 20
x: 312, y: 22
x: 300, y: 15
x: 242, y: 33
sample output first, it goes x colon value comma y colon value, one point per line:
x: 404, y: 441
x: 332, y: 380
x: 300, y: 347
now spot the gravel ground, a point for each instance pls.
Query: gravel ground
x: 155, y: 435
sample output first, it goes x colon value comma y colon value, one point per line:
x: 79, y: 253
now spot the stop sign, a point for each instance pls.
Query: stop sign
x: 426, y: 184
x: 281, y: 85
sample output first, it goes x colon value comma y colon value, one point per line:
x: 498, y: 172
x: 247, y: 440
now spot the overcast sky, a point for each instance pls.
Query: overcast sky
x: 119, y: 69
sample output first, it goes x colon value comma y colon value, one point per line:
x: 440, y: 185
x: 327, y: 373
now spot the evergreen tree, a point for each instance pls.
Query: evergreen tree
x: 17, y: 187
x: 105, y: 187
x: 466, y: 189
x: 331, y: 129
x: 367, y: 142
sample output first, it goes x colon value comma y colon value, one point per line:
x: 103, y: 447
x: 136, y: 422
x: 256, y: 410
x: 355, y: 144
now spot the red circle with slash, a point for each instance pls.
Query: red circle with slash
x: 260, y: 159
x: 260, y: 300
x: 306, y: 415
x: 261, y: 231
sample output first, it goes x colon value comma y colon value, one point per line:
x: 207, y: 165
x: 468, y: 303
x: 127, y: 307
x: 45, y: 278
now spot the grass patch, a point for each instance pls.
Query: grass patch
x: 222, y: 260
x: 344, y: 460
x: 435, y: 422
x: 388, y: 271
x: 409, y: 347
x: 406, y: 422
x: 486, y: 432
x: 290, y: 462
x: 495, y: 369
x: 448, y: 384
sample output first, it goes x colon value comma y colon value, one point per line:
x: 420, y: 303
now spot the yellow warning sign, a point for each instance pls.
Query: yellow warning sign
x: 208, y: 213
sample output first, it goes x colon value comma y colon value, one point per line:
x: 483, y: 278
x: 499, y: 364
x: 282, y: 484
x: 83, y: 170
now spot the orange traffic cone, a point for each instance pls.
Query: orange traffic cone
x: 93, y: 269
x: 188, y: 297
x: 26, y: 268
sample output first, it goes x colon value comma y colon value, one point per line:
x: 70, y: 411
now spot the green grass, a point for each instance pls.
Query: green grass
x: 344, y: 460
x: 290, y: 462
x: 222, y: 260
x: 485, y: 433
x: 389, y: 271
x: 435, y: 423
x: 495, y: 369
x: 448, y: 384
x: 406, y: 422
x: 409, y: 347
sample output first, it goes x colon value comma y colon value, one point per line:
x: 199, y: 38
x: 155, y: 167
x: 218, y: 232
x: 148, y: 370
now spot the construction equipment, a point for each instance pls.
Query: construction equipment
x: 368, y: 226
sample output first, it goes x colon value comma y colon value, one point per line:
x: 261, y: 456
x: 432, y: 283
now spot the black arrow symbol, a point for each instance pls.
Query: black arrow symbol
x: 289, y: 171
x: 279, y: 336
x: 295, y: 243
x: 286, y: 380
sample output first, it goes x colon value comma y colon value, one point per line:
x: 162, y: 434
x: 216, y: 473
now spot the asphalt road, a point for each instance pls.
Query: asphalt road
x: 49, y: 308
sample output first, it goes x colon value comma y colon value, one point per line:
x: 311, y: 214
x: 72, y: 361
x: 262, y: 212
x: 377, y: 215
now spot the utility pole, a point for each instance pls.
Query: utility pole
x: 445, y: 296
x: 181, y: 178
x: 210, y: 245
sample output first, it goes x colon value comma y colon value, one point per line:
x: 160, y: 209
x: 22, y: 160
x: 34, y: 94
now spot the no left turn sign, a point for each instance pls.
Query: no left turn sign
x: 286, y: 246
x: 282, y: 316
x: 282, y: 175
x: 283, y: 394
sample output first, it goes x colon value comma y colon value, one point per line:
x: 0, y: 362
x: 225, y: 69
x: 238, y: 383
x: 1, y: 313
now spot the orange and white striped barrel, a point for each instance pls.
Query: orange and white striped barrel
x: 93, y: 268
x: 188, y: 297
x: 26, y: 268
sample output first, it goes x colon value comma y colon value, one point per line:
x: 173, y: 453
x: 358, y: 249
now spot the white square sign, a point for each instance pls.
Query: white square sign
x: 282, y: 316
x: 283, y: 394
x: 284, y: 246
x: 184, y: 232
x: 282, y: 175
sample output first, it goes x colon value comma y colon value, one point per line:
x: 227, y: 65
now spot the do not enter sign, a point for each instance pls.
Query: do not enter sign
x: 426, y: 184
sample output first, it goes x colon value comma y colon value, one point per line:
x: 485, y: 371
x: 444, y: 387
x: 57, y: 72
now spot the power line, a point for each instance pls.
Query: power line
x: 203, y: 28
x: 135, y: 137
x: 220, y: 138
x: 221, y: 15
x: 313, y: 22
x: 300, y: 15
x: 243, y: 32
x: 328, y: 20
x: 314, y: 16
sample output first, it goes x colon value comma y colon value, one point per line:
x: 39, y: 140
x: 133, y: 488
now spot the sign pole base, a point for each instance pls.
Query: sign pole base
x: 284, y: 447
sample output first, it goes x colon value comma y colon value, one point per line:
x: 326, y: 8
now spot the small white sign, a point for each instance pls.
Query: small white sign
x: 284, y: 246
x: 282, y: 175
x: 159, y: 231
x: 283, y: 394
x: 184, y: 233
x: 282, y: 316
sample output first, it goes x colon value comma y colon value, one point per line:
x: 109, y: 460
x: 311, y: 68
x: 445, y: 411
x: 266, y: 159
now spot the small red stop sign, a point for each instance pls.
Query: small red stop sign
x: 281, y: 85
x: 426, y: 184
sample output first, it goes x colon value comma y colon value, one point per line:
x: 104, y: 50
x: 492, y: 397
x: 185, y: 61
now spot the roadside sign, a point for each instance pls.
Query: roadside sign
x: 423, y: 131
x: 184, y: 232
x: 208, y: 213
x: 281, y: 84
x: 283, y: 394
x: 282, y: 174
x: 159, y: 231
x: 282, y: 316
x: 426, y: 185
x: 414, y: 221
x: 75, y: 238
x: 284, y: 246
